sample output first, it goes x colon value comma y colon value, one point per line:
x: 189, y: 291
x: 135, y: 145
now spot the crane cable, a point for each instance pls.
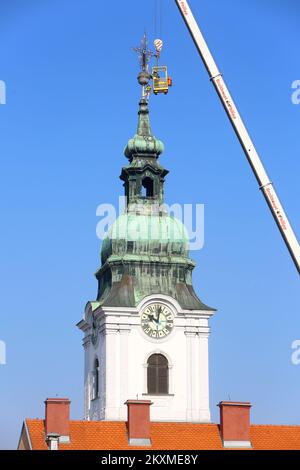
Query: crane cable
x: 158, y: 18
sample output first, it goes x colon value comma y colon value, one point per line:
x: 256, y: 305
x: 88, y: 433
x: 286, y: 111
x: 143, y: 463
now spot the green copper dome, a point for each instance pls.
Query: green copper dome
x: 151, y: 235
x: 143, y: 142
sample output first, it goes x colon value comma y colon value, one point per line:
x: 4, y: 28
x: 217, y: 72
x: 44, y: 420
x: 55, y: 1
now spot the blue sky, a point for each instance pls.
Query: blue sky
x: 71, y: 106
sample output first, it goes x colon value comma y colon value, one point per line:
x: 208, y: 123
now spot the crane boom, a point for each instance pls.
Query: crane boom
x: 253, y: 158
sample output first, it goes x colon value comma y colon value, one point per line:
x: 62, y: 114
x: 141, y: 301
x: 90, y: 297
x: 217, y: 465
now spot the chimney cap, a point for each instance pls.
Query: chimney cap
x: 57, y: 400
x: 138, y: 402
x: 235, y: 403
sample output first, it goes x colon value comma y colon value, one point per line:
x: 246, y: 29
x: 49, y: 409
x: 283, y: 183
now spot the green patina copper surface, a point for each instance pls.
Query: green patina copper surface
x: 146, y: 234
x: 146, y: 250
x: 143, y: 141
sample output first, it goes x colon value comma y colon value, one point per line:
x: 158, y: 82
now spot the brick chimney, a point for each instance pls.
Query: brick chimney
x: 235, y: 424
x: 138, y: 422
x: 57, y: 419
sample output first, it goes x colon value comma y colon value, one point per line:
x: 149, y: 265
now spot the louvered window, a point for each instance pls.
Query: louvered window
x: 158, y: 375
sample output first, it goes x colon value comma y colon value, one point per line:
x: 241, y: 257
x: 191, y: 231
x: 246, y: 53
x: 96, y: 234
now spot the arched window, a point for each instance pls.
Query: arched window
x: 158, y: 375
x: 95, y: 380
x: 147, y: 187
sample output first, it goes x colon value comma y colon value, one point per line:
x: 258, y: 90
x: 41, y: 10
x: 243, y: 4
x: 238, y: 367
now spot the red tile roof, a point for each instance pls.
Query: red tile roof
x: 112, y: 435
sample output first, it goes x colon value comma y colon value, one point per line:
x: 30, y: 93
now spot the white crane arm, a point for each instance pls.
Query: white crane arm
x: 253, y: 158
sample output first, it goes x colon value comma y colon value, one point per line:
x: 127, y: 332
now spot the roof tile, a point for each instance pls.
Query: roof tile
x: 112, y: 435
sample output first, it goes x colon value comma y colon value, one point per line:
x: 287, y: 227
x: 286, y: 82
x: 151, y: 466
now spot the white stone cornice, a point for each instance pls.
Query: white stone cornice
x: 124, y: 330
x: 114, y: 329
x: 204, y: 334
x: 86, y: 341
x: 196, y: 331
x: 83, y: 325
x: 192, y: 314
x: 110, y: 331
x: 190, y: 333
x: 98, y: 314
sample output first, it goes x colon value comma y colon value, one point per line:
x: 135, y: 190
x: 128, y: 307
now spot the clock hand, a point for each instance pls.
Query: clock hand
x: 158, y: 312
x: 151, y: 318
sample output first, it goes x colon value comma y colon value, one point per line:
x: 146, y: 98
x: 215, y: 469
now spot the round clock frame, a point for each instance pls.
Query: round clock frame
x: 157, y: 320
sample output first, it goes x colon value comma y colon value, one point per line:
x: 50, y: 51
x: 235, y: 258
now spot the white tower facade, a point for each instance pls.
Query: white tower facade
x: 117, y: 353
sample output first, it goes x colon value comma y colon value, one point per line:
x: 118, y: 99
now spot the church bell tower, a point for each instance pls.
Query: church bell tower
x: 146, y: 334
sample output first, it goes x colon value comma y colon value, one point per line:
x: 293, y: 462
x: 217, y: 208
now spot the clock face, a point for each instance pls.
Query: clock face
x: 157, y: 320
